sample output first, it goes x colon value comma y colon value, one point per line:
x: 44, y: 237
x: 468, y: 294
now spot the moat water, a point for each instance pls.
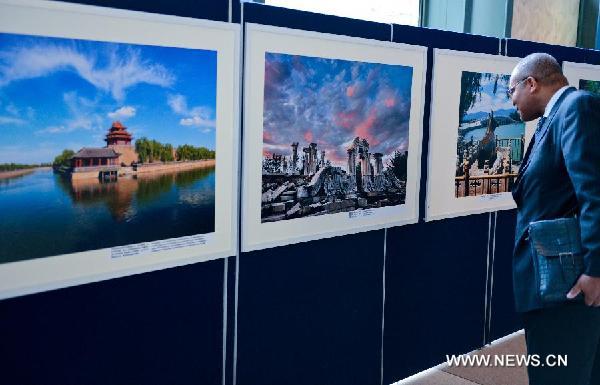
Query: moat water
x: 44, y: 214
x: 514, y: 130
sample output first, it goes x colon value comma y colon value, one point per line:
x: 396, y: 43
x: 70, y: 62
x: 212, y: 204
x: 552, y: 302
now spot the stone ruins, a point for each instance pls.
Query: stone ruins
x: 297, y: 186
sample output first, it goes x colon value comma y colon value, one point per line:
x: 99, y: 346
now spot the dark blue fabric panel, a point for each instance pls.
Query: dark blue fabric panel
x: 199, y: 9
x: 236, y: 7
x: 435, y: 38
x: 308, y: 21
x: 310, y: 313
x: 434, y: 258
x: 592, y: 56
x: 521, y: 48
x: 163, y: 327
x: 230, y: 341
x: 504, y: 319
x: 425, y: 132
x: 434, y: 293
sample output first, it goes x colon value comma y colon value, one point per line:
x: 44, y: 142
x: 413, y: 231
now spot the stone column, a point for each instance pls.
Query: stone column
x: 294, y: 157
x: 378, y: 163
x: 351, y: 162
x: 313, y: 153
x: 306, y: 163
x: 365, y: 164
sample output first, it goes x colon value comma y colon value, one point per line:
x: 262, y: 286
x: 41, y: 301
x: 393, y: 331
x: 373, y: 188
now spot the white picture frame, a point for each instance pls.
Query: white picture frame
x: 441, y: 200
x: 82, y: 22
x: 262, y: 40
x: 575, y: 72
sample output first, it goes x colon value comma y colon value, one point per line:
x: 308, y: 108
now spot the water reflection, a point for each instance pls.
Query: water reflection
x: 125, y: 196
x: 8, y: 179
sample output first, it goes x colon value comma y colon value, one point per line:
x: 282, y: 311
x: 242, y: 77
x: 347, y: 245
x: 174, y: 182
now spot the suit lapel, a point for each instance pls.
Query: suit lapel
x: 544, y: 129
x: 539, y: 135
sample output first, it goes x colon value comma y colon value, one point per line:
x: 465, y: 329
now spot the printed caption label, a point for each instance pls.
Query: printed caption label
x: 491, y: 197
x: 360, y: 213
x: 152, y: 247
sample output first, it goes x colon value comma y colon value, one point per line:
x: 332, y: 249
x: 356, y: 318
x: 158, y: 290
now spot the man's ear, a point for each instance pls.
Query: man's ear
x: 533, y: 84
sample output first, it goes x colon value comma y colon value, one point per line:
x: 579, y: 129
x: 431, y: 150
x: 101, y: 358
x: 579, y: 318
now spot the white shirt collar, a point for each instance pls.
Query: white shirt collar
x: 553, y: 100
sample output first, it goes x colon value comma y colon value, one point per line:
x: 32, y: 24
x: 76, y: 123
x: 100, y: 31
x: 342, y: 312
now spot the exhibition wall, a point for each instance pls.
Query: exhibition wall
x: 325, y: 305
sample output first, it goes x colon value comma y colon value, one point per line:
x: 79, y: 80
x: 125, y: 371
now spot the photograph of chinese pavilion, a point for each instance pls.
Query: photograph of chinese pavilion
x: 103, y: 144
x: 491, y: 136
x: 105, y: 162
x: 335, y: 136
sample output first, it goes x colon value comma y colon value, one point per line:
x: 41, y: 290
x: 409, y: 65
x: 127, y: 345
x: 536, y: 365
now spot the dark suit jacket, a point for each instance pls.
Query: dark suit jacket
x: 561, y: 173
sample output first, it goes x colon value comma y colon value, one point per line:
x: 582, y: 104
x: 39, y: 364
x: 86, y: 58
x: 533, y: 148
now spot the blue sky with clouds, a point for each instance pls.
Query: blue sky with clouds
x: 488, y: 100
x: 60, y: 94
x: 331, y: 101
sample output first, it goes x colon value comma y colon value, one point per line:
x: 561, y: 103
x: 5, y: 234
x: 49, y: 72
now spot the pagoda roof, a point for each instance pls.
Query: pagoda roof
x: 96, y: 153
x: 118, y: 131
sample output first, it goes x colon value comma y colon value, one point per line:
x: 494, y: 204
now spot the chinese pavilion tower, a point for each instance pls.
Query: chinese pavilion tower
x: 118, y: 135
x: 120, y: 140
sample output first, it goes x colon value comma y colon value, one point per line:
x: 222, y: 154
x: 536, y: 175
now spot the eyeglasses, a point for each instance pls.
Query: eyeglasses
x: 511, y: 90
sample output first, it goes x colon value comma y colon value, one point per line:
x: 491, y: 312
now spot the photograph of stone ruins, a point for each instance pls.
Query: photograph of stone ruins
x: 335, y: 136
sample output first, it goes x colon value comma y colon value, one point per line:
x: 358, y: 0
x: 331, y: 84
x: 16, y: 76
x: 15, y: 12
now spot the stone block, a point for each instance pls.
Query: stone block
x: 278, y: 208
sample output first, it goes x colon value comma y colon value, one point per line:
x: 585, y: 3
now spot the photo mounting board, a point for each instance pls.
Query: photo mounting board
x: 98, y: 25
x: 441, y: 200
x: 273, y: 43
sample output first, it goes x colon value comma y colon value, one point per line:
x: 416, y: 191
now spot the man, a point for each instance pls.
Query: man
x: 559, y: 175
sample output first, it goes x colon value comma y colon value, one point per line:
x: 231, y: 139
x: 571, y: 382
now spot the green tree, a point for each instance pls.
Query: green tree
x: 187, y: 152
x: 64, y: 159
x: 590, y: 85
x: 471, y: 88
x: 398, y: 164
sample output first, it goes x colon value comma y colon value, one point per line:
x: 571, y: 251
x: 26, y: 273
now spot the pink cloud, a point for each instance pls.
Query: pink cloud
x: 267, y: 137
x: 364, y: 128
x: 308, y: 136
x: 345, y: 119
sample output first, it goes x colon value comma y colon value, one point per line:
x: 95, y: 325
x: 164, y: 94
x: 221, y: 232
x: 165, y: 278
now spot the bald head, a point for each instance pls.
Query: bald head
x: 541, y: 66
x: 533, y: 82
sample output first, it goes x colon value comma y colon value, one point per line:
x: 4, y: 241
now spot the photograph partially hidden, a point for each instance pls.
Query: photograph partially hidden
x: 491, y: 136
x: 592, y: 86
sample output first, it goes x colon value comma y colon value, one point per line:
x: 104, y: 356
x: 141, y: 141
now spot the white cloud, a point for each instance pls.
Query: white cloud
x: 122, y: 113
x: 178, y: 104
x: 489, y: 102
x: 123, y: 69
x: 197, y: 122
x: 199, y: 116
x: 11, y: 120
x: 82, y: 116
x: 15, y: 116
x: 12, y: 109
x: 73, y: 124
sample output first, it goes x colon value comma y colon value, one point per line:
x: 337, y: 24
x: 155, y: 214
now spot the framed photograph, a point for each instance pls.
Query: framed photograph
x: 332, y: 135
x: 477, y: 138
x: 583, y: 76
x: 118, y: 135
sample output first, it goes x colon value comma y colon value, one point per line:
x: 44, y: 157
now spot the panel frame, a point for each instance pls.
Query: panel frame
x: 441, y: 202
x: 74, y: 21
x: 261, y: 39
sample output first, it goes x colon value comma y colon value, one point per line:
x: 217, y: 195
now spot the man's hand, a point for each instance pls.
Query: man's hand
x: 590, y: 286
